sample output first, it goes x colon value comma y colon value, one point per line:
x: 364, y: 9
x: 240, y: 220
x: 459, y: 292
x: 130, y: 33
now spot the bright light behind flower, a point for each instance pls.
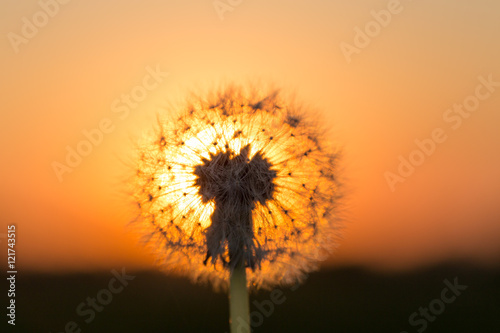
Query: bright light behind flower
x: 238, y: 178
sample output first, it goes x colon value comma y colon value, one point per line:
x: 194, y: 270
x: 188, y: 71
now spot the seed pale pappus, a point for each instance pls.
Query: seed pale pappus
x: 242, y: 176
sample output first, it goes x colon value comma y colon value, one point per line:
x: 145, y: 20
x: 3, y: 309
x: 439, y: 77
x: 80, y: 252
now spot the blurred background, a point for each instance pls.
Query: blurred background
x: 382, y: 73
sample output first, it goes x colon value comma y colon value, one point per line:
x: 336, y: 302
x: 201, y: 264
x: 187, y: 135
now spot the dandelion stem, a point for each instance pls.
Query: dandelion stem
x: 239, y: 312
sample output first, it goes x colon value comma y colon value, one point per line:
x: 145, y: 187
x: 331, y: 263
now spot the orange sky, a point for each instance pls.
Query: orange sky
x: 396, y: 89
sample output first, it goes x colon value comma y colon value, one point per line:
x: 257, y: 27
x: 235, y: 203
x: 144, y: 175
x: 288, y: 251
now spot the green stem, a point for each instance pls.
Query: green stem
x: 239, y: 310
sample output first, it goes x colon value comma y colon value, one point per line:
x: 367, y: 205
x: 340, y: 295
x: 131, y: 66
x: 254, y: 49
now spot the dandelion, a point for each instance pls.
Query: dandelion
x: 239, y: 189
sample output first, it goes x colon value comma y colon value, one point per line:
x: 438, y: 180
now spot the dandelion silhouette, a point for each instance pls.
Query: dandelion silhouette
x: 238, y: 187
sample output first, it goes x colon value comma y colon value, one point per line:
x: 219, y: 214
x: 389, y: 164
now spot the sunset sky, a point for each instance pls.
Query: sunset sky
x: 380, y: 91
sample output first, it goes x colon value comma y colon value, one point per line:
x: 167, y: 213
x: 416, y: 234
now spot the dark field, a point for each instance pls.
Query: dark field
x: 343, y: 300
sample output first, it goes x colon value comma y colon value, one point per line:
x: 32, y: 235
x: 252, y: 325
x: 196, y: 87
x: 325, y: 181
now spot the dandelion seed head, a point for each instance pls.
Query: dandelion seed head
x: 239, y: 177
